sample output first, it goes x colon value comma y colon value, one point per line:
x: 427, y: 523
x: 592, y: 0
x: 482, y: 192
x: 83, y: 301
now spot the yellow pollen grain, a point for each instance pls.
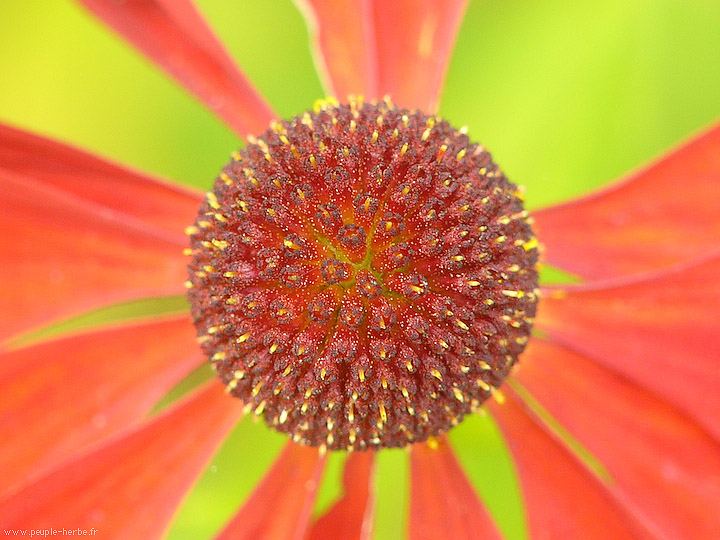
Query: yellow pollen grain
x: 530, y: 244
x: 500, y: 239
x: 462, y: 324
x: 212, y: 200
x: 244, y: 337
x: 461, y: 154
x: 383, y: 412
x: 435, y: 373
x: 220, y: 244
x: 192, y: 229
x: 441, y: 152
x: 458, y: 395
x: 513, y: 294
x: 353, y: 126
x: 405, y: 393
x: 361, y: 374
x: 188, y: 284
x: 374, y: 137
x: 403, y: 149
x: 260, y: 408
x: 409, y: 366
x: 273, y: 348
x: 239, y: 374
x: 283, y: 416
x: 256, y: 389
x: 313, y: 161
x: 482, y: 384
x: 417, y: 289
x: 287, y: 371
x: 472, y: 283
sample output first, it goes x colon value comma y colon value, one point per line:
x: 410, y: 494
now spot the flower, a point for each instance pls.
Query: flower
x: 611, y: 400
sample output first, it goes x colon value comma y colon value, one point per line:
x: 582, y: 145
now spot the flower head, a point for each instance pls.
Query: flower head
x: 363, y: 276
x: 369, y: 256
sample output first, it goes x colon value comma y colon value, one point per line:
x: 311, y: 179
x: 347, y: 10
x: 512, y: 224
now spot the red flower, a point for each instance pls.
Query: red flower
x: 613, y: 419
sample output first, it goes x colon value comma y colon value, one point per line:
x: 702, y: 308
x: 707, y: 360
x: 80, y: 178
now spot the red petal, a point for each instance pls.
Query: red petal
x: 140, y: 197
x: 443, y: 504
x: 280, y: 507
x: 60, y: 396
x: 562, y: 498
x: 414, y: 41
x: 129, y: 488
x: 666, y: 213
x: 344, y: 45
x: 62, y: 255
x: 174, y: 35
x: 350, y: 518
x: 658, y: 459
x: 660, y: 331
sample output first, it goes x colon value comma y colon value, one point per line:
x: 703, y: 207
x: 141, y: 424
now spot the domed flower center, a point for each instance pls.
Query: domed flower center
x: 363, y: 276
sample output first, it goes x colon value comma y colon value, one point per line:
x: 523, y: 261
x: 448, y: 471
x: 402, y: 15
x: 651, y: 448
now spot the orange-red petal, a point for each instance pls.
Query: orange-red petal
x: 443, y: 504
x: 280, y: 507
x: 562, y: 498
x: 414, y: 42
x: 59, y: 396
x: 62, y: 254
x: 130, y: 487
x: 351, y: 517
x: 664, y: 214
x: 174, y: 35
x: 343, y: 45
x: 664, y: 466
x: 138, y: 196
x: 660, y: 331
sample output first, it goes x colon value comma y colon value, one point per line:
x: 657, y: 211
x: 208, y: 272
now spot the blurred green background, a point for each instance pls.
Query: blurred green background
x: 567, y: 95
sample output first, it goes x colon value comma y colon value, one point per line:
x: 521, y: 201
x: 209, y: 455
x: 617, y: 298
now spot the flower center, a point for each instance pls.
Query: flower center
x: 363, y: 276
